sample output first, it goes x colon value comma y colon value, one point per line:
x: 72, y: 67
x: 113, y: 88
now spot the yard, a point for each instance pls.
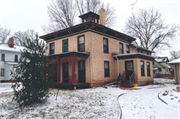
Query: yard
x: 99, y: 103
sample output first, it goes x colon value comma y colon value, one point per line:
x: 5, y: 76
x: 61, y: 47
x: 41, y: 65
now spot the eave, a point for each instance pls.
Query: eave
x: 85, y: 27
x: 68, y: 54
x: 132, y: 55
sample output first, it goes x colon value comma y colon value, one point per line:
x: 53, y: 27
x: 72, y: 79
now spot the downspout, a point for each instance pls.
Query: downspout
x: 117, y: 67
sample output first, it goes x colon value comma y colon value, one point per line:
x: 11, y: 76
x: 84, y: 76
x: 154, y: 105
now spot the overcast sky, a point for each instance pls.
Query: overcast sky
x: 21, y: 15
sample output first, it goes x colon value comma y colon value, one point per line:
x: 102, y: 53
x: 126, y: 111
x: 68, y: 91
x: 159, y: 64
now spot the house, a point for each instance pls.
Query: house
x: 9, y: 56
x: 161, y: 67
x: 91, y: 53
x: 176, y: 64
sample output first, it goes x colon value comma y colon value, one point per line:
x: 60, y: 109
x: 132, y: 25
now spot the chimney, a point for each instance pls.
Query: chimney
x: 102, y: 16
x: 11, y: 42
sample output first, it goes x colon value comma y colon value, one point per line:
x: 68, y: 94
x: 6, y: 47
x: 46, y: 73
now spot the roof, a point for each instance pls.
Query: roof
x: 5, y: 47
x: 162, y: 59
x: 12, y: 63
x: 133, y: 55
x: 138, y: 47
x: 92, y: 13
x: 175, y: 61
x: 67, y: 54
x: 85, y: 27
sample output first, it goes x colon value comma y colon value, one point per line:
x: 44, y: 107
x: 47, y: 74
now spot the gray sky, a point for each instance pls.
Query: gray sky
x: 21, y: 15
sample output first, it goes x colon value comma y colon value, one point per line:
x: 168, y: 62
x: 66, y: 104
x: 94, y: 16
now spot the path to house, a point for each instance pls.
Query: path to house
x: 144, y: 103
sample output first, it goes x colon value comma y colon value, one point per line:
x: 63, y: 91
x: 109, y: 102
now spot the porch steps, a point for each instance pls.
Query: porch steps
x: 125, y: 83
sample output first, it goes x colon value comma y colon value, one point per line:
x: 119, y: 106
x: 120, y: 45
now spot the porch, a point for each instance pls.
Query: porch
x: 69, y: 68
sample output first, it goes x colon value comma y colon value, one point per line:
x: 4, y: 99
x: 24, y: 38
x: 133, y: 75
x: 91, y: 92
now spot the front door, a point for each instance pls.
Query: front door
x: 129, y: 69
x: 81, y: 70
x: 65, y: 72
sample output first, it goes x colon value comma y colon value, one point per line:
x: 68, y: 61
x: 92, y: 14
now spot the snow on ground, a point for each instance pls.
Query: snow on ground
x: 99, y: 103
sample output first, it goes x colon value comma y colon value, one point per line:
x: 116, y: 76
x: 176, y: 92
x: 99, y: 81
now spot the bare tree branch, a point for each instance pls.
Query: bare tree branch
x: 63, y: 13
x: 21, y: 37
x: 174, y: 55
x: 150, y: 29
x: 5, y: 34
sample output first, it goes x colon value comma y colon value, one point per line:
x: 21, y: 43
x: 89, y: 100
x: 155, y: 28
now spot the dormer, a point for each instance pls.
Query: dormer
x: 90, y: 16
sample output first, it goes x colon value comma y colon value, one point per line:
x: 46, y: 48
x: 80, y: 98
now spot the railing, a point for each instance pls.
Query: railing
x: 121, y: 78
x: 132, y: 79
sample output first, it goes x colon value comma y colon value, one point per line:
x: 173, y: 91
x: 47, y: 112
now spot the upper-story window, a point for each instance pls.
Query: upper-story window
x: 81, y: 46
x: 96, y: 20
x: 105, y: 44
x: 65, y: 45
x: 51, y: 48
x: 2, y: 57
x: 121, y: 48
x: 87, y: 19
x: 127, y: 49
x: 141, y: 51
x: 16, y: 58
x: 142, y: 68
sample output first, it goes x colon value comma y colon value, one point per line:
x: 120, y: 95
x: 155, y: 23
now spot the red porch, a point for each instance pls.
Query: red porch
x: 67, y: 76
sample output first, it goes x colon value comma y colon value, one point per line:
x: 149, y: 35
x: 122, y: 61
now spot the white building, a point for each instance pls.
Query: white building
x: 9, y: 56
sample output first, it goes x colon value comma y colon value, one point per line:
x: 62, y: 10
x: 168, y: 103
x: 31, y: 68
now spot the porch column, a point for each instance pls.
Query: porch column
x: 73, y: 69
x: 58, y: 70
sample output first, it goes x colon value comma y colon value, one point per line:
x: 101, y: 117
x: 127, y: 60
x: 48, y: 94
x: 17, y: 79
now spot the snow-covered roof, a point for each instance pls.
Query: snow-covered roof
x: 12, y: 63
x: 162, y: 59
x: 5, y: 47
x: 175, y: 61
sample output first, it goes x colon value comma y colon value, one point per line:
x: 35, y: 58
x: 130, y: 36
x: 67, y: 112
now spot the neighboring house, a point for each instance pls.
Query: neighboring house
x: 9, y: 56
x: 91, y: 53
x: 161, y: 66
x: 176, y: 64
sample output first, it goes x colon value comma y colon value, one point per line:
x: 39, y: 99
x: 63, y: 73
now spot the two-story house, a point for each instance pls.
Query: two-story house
x: 161, y: 66
x: 91, y: 53
x: 9, y: 56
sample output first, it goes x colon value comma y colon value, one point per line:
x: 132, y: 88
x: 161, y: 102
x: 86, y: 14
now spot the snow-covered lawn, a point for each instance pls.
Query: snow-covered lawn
x: 99, y: 103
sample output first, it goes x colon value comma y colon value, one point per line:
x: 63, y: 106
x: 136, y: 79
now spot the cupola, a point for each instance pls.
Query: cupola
x: 90, y: 16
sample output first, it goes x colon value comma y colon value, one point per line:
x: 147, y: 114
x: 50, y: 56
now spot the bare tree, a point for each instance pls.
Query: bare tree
x: 175, y: 55
x: 5, y: 34
x: 21, y: 37
x: 63, y: 13
x: 148, y: 27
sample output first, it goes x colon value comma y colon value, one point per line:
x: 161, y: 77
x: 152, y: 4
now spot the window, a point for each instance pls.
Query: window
x: 17, y: 71
x: 148, y: 69
x: 51, y: 48
x: 96, y: 20
x: 159, y: 69
x: 2, y: 72
x: 92, y: 19
x: 147, y: 52
x: 121, y: 48
x: 16, y: 58
x: 81, y: 46
x: 105, y: 44
x: 65, y: 45
x: 127, y: 49
x: 2, y: 57
x: 142, y: 68
x: 137, y: 50
x: 106, y: 68
x: 141, y: 51
x: 87, y: 19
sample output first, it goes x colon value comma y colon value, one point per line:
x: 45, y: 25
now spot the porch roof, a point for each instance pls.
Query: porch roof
x: 132, y: 55
x: 67, y: 54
